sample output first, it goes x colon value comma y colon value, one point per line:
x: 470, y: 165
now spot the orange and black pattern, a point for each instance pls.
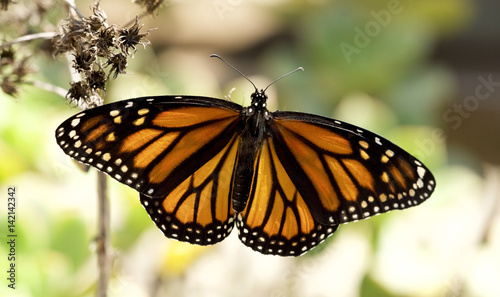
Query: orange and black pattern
x: 286, y: 179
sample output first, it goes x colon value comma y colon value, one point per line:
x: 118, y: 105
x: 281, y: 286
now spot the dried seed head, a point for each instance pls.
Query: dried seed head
x: 104, y: 41
x: 21, y: 69
x: 72, y: 36
x: 100, y: 51
x: 118, y: 64
x: 8, y: 86
x: 84, y: 60
x: 4, y: 4
x: 97, y: 80
x: 151, y: 6
x: 6, y: 56
x: 78, y: 92
x: 130, y: 37
x: 97, y: 20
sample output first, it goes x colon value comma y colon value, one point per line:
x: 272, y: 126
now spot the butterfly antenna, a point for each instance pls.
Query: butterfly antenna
x: 237, y: 70
x: 286, y: 74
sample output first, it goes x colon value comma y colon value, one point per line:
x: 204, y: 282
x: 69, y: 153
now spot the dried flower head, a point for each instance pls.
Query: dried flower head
x: 118, y: 64
x: 97, y: 79
x: 84, y: 60
x: 71, y: 37
x: 130, y: 37
x: 104, y: 41
x: 81, y: 94
x: 6, y: 56
x: 151, y: 6
x: 12, y: 70
x: 21, y: 69
x: 8, y: 86
x: 100, y: 51
x: 4, y: 4
x: 97, y: 20
x: 78, y: 92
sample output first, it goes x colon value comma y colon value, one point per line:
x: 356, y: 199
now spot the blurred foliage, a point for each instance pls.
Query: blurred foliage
x: 370, y: 288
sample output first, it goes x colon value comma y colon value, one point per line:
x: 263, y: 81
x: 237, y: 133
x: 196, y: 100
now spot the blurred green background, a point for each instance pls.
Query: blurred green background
x: 424, y: 74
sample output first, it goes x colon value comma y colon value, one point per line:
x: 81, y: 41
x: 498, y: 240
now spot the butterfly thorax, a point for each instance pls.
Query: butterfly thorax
x: 256, y: 118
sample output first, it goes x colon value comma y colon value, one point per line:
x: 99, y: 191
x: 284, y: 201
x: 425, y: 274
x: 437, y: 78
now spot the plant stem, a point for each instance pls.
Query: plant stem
x: 30, y: 37
x: 71, y: 3
x: 48, y: 87
x: 102, y: 235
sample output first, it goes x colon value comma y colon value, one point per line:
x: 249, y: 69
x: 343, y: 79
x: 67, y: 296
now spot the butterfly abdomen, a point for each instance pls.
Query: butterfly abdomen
x: 244, y: 171
x: 241, y: 188
x: 250, y: 144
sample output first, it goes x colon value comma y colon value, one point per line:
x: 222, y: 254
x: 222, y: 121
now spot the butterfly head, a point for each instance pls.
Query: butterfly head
x: 259, y: 99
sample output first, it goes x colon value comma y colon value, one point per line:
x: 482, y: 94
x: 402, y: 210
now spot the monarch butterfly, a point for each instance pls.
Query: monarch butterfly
x: 288, y: 179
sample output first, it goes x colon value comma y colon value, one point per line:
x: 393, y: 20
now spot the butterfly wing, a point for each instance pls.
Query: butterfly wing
x: 311, y: 173
x: 151, y: 144
x: 277, y: 219
x: 344, y: 172
x: 199, y: 210
x: 178, y: 152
